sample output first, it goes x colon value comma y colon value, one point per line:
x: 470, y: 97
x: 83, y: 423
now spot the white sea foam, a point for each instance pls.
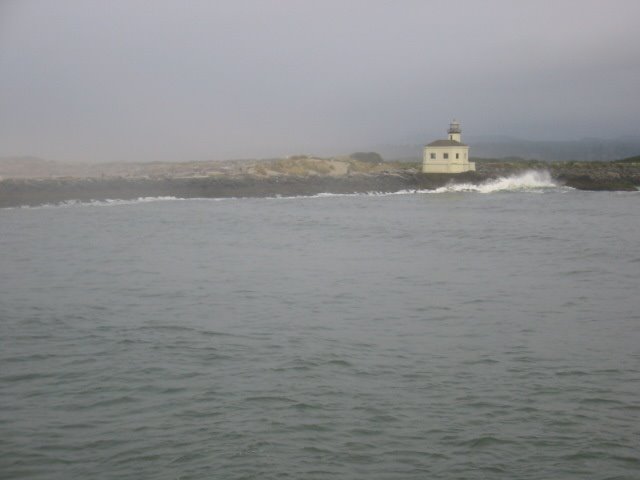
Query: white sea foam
x: 103, y: 203
x: 529, y: 181
x: 338, y: 195
x: 368, y: 194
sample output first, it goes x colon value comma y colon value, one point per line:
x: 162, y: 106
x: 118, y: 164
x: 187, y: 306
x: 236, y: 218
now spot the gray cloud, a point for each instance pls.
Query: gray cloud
x: 170, y: 80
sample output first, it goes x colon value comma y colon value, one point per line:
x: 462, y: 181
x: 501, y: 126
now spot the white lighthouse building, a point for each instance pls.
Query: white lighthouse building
x: 448, y: 156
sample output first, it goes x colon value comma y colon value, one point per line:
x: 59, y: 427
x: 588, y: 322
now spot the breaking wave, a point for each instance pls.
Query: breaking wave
x: 364, y: 194
x: 535, y: 181
x: 102, y: 203
x: 529, y: 181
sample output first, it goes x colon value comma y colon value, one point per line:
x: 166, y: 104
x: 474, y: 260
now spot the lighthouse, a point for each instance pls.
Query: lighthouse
x: 448, y: 156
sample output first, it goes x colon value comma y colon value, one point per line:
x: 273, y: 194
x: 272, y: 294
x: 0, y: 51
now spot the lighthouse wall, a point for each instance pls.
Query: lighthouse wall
x: 447, y: 160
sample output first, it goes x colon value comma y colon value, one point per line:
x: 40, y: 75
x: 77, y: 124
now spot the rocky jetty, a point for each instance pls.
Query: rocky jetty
x: 301, y: 176
x: 50, y: 191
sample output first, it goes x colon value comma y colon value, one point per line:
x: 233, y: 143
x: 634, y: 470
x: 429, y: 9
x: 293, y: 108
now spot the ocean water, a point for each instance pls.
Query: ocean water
x: 467, y: 333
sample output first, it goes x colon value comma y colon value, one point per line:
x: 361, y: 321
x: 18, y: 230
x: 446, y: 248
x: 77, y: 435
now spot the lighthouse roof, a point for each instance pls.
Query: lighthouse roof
x: 446, y: 143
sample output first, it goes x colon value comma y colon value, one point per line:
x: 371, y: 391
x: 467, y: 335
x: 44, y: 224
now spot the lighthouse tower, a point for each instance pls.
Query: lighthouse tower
x: 454, y: 131
x: 448, y: 156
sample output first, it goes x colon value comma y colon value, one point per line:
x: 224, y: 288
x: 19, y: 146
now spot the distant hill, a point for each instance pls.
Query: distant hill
x: 587, y: 149
x: 635, y: 159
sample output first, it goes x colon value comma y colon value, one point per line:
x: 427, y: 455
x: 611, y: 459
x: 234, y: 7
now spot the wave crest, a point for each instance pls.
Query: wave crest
x: 530, y: 181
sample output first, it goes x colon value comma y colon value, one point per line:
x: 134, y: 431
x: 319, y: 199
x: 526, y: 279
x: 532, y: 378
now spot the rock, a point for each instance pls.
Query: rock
x: 587, y: 182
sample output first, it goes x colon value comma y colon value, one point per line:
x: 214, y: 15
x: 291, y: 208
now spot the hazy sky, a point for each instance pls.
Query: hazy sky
x: 193, y: 80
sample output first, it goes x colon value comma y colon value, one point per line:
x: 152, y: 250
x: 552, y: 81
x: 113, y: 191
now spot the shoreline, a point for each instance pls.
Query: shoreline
x: 40, y: 191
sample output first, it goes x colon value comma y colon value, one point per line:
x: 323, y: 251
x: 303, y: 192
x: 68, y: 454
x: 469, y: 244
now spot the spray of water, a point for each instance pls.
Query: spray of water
x: 530, y: 181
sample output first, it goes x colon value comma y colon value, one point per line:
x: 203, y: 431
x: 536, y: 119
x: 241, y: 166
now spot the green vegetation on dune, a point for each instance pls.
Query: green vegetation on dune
x: 298, y: 165
x: 303, y: 165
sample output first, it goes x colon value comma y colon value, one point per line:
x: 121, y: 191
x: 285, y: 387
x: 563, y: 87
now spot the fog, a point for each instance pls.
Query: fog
x: 169, y: 80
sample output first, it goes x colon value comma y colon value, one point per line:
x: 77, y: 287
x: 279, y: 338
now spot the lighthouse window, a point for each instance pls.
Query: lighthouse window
x: 446, y: 156
x: 433, y: 156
